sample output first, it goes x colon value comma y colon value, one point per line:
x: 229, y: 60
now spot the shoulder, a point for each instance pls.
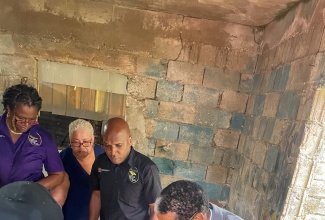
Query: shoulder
x: 220, y: 213
x: 143, y: 162
x: 141, y: 158
x: 37, y: 130
x: 39, y: 137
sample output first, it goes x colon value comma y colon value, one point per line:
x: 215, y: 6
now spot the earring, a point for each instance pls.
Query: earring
x: 13, y: 123
x: 8, y: 114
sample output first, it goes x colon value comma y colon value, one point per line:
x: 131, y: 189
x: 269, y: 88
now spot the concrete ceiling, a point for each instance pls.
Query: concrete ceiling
x: 246, y: 12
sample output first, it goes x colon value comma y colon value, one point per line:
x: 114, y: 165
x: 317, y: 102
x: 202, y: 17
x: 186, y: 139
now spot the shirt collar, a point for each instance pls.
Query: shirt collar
x: 130, y: 158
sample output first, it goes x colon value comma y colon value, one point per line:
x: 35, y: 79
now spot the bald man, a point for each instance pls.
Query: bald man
x: 125, y: 182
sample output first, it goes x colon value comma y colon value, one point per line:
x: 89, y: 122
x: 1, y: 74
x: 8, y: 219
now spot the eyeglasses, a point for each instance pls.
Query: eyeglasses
x: 21, y: 121
x: 193, y: 216
x: 78, y: 144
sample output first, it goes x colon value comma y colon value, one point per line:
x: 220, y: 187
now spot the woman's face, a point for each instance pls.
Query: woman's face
x: 23, y: 117
x: 82, y: 142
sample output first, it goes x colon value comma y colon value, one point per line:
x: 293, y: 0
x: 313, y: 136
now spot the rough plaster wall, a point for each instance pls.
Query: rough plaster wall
x: 188, y: 79
x: 286, y: 125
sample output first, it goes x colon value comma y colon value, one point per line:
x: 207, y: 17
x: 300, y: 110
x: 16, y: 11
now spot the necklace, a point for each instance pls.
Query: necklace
x: 18, y: 133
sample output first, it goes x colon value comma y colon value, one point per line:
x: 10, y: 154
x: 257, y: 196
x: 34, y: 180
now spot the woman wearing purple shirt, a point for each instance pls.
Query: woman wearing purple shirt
x: 24, y: 146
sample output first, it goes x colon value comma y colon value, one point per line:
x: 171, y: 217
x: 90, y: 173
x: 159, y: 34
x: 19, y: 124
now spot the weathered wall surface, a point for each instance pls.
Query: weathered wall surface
x: 283, y: 142
x: 196, y: 103
x: 188, y: 79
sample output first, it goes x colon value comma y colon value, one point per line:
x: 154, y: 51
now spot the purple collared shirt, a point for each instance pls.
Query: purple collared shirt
x: 24, y: 160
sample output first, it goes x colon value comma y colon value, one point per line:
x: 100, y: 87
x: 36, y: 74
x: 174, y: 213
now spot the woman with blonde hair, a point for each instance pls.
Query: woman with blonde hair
x: 78, y: 159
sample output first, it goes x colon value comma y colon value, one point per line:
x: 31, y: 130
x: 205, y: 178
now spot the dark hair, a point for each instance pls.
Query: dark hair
x: 183, y: 197
x: 20, y: 93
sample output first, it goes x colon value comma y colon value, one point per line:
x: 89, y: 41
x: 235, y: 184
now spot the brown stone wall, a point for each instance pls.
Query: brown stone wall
x: 283, y: 142
x: 188, y: 79
x: 198, y: 103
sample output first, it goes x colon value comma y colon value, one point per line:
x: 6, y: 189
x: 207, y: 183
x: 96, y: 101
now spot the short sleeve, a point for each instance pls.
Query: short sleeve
x: 152, y: 184
x: 52, y: 162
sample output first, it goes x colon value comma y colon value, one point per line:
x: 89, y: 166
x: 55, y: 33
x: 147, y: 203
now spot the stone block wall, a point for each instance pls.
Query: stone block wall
x: 204, y: 100
x: 188, y: 79
x: 280, y: 150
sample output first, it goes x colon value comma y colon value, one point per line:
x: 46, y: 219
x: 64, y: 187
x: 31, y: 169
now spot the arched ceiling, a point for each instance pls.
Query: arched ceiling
x: 246, y: 12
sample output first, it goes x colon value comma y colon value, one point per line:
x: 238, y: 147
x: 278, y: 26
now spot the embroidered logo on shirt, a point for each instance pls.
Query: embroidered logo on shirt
x: 2, y: 136
x: 102, y: 170
x: 133, y: 174
x: 36, y: 141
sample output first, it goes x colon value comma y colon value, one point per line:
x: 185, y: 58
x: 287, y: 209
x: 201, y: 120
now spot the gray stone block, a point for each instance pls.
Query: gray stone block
x: 151, y: 108
x: 200, y: 136
x: 259, y: 105
x: 169, y: 91
x: 248, y: 126
x: 165, y: 130
x: 165, y: 166
x: 288, y: 105
x: 269, y: 130
x: 271, y: 158
x: 238, y: 121
x: 271, y: 80
x: 190, y: 170
x: 213, y: 190
x: 258, y: 79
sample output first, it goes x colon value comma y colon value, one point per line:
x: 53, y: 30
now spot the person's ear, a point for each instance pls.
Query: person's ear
x: 199, y: 216
x: 104, y: 128
x: 9, y: 113
x: 130, y: 140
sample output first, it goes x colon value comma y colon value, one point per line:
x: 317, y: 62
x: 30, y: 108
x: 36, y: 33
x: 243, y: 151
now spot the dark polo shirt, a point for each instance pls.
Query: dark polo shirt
x: 126, y: 190
x: 76, y: 206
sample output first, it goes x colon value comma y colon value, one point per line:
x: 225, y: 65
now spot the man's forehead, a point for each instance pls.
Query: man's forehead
x: 112, y: 133
x: 115, y: 136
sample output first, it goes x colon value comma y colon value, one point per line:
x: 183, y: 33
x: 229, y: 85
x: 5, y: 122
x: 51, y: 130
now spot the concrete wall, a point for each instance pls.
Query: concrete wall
x: 188, y: 79
x: 282, y: 164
